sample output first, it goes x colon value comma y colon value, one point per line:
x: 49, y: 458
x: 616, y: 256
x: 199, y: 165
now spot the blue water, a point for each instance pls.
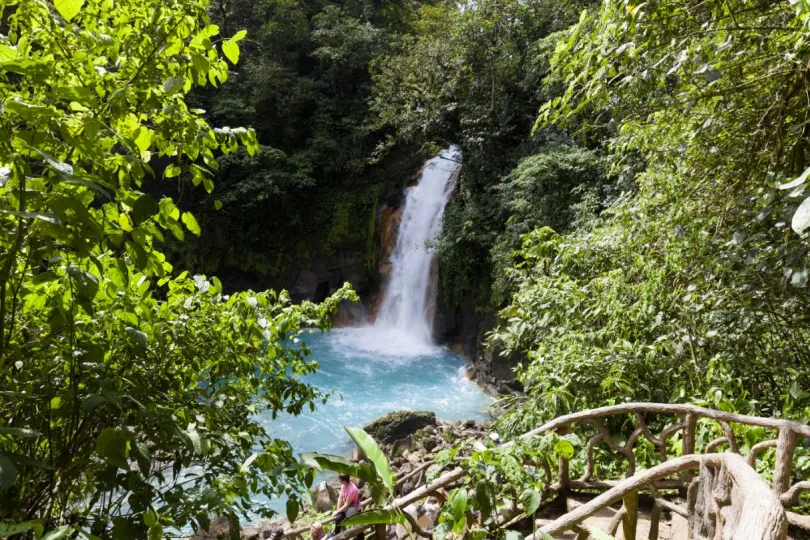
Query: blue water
x: 377, y: 372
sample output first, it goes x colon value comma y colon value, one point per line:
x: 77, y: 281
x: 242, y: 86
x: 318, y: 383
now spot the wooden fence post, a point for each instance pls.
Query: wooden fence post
x: 688, y: 446
x: 785, y: 446
x: 562, y: 463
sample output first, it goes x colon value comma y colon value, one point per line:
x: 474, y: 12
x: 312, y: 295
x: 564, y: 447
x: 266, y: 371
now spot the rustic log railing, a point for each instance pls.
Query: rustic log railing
x: 729, y: 502
x: 788, y: 433
x: 727, y: 499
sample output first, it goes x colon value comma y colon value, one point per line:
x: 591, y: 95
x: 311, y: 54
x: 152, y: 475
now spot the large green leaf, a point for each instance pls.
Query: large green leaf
x: 484, y: 497
x: 372, y: 451
x: 10, y: 529
x: 292, y: 510
x: 8, y: 473
x: 801, y: 219
x: 114, y: 445
x: 458, y: 504
x: 58, y: 533
x: 531, y: 499
x: 231, y: 50
x: 68, y: 8
x: 19, y: 432
x: 340, y: 464
x: 374, y: 517
x: 564, y: 448
x: 191, y: 223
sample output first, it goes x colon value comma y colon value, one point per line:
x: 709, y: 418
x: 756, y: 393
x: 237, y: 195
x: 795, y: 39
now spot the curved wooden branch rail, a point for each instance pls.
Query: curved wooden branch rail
x: 668, y: 408
x: 756, y: 513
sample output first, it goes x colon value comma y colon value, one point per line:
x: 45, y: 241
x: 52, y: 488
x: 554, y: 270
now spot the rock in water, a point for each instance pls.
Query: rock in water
x: 322, y: 497
x: 398, y: 425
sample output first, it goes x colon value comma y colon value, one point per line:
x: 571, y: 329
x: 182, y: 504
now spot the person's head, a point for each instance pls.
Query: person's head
x: 344, y: 478
x: 316, y: 531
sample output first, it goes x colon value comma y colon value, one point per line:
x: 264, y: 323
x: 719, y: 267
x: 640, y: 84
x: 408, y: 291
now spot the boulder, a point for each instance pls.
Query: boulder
x: 356, y: 455
x: 398, y: 425
x: 251, y: 533
x: 469, y: 424
x: 322, y: 497
x: 400, y: 446
x: 430, y: 444
x: 221, y: 527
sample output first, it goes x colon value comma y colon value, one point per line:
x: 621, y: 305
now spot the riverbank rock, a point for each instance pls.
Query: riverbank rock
x: 398, y: 425
x: 323, y: 497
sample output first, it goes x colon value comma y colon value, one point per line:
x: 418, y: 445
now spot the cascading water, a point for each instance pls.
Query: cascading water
x: 409, y: 295
x: 392, y: 364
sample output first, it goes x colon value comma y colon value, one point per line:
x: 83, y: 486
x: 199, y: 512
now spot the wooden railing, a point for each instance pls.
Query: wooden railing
x: 782, y: 491
x: 726, y: 499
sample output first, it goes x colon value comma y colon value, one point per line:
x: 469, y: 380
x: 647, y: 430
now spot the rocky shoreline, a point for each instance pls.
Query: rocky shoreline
x: 409, y: 439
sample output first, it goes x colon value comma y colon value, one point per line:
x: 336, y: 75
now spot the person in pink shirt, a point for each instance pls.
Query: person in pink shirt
x: 348, y: 502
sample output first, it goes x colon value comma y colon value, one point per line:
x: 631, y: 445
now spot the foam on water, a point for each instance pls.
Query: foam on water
x: 372, y: 384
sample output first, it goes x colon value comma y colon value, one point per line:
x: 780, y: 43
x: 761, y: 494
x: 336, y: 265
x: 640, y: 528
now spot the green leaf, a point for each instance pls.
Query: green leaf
x: 173, y: 84
x: 801, y: 219
x: 68, y: 8
x: 20, y: 432
x: 191, y: 223
x: 92, y: 401
x: 114, y: 445
x: 239, y: 35
x: 86, y: 283
x: 292, y: 510
x: 139, y: 337
x: 245, y: 466
x: 145, y: 207
x: 512, y: 535
x: 530, y: 499
x: 7, y: 53
x: 339, y: 464
x: 797, y: 182
x: 231, y: 50
x: 441, y: 530
x: 8, y: 473
x: 564, y: 449
x: 599, y: 534
x: 374, y: 517
x: 143, y: 457
x: 143, y: 139
x: 10, y: 529
x: 484, y: 495
x: 372, y: 451
x: 458, y: 504
x: 172, y: 171
x: 59, y: 533
x: 195, y: 444
x: 217, y: 204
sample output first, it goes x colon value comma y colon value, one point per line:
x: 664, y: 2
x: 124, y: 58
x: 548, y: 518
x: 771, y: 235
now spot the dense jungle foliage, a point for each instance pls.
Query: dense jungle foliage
x: 635, y: 237
x: 128, y: 389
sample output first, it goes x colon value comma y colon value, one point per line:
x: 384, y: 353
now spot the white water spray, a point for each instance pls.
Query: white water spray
x: 402, y: 330
x: 409, y: 296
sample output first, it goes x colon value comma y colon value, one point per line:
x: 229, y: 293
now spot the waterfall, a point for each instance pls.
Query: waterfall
x: 409, y: 296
